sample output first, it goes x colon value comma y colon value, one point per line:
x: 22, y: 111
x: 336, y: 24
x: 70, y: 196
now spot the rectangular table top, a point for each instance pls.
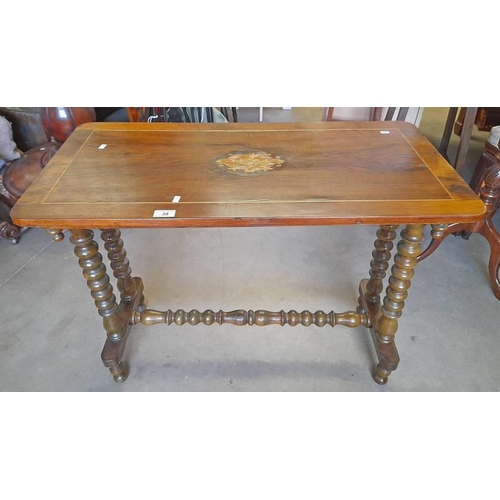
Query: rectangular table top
x: 246, y: 174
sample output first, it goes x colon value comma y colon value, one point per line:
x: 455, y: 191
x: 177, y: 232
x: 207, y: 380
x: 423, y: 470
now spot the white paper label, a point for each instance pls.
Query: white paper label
x: 384, y: 132
x: 176, y: 199
x: 164, y: 213
x: 102, y: 146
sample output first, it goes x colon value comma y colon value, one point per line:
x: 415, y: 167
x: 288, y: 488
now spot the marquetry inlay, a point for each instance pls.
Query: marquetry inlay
x: 248, y: 162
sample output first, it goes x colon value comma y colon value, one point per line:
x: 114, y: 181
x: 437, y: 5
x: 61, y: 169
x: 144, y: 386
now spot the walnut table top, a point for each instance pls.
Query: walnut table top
x: 143, y: 175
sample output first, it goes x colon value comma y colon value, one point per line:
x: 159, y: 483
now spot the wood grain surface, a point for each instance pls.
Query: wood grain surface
x: 110, y: 175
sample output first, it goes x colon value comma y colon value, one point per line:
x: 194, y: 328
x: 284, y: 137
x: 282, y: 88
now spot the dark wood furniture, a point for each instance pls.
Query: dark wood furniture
x: 463, y: 125
x: 109, y: 176
x: 486, y: 183
x: 485, y: 119
x: 15, y: 179
x: 58, y: 124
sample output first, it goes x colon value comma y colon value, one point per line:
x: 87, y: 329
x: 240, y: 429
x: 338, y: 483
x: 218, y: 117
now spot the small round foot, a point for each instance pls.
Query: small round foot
x: 381, y: 375
x: 119, y: 372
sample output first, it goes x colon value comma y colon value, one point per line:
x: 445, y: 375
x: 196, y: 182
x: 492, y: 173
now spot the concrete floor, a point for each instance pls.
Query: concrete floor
x: 448, y: 340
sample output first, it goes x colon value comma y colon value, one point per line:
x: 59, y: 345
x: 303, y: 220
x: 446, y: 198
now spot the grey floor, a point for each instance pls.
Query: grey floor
x: 51, y: 336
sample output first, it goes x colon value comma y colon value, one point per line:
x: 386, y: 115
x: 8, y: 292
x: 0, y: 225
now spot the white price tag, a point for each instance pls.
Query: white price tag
x: 176, y: 199
x: 102, y: 146
x: 164, y: 213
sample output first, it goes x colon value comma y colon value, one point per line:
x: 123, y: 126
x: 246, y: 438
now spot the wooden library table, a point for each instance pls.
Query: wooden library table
x: 109, y: 176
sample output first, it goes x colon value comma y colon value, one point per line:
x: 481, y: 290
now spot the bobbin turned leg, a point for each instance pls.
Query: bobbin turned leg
x: 120, y: 263
x: 386, y: 324
x: 380, y: 263
x: 370, y: 290
x: 115, y: 317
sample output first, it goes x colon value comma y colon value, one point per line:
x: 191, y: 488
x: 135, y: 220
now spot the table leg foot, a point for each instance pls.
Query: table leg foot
x: 112, y: 353
x: 381, y: 375
x: 387, y: 354
x: 388, y: 359
x: 112, y: 358
x: 119, y: 372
